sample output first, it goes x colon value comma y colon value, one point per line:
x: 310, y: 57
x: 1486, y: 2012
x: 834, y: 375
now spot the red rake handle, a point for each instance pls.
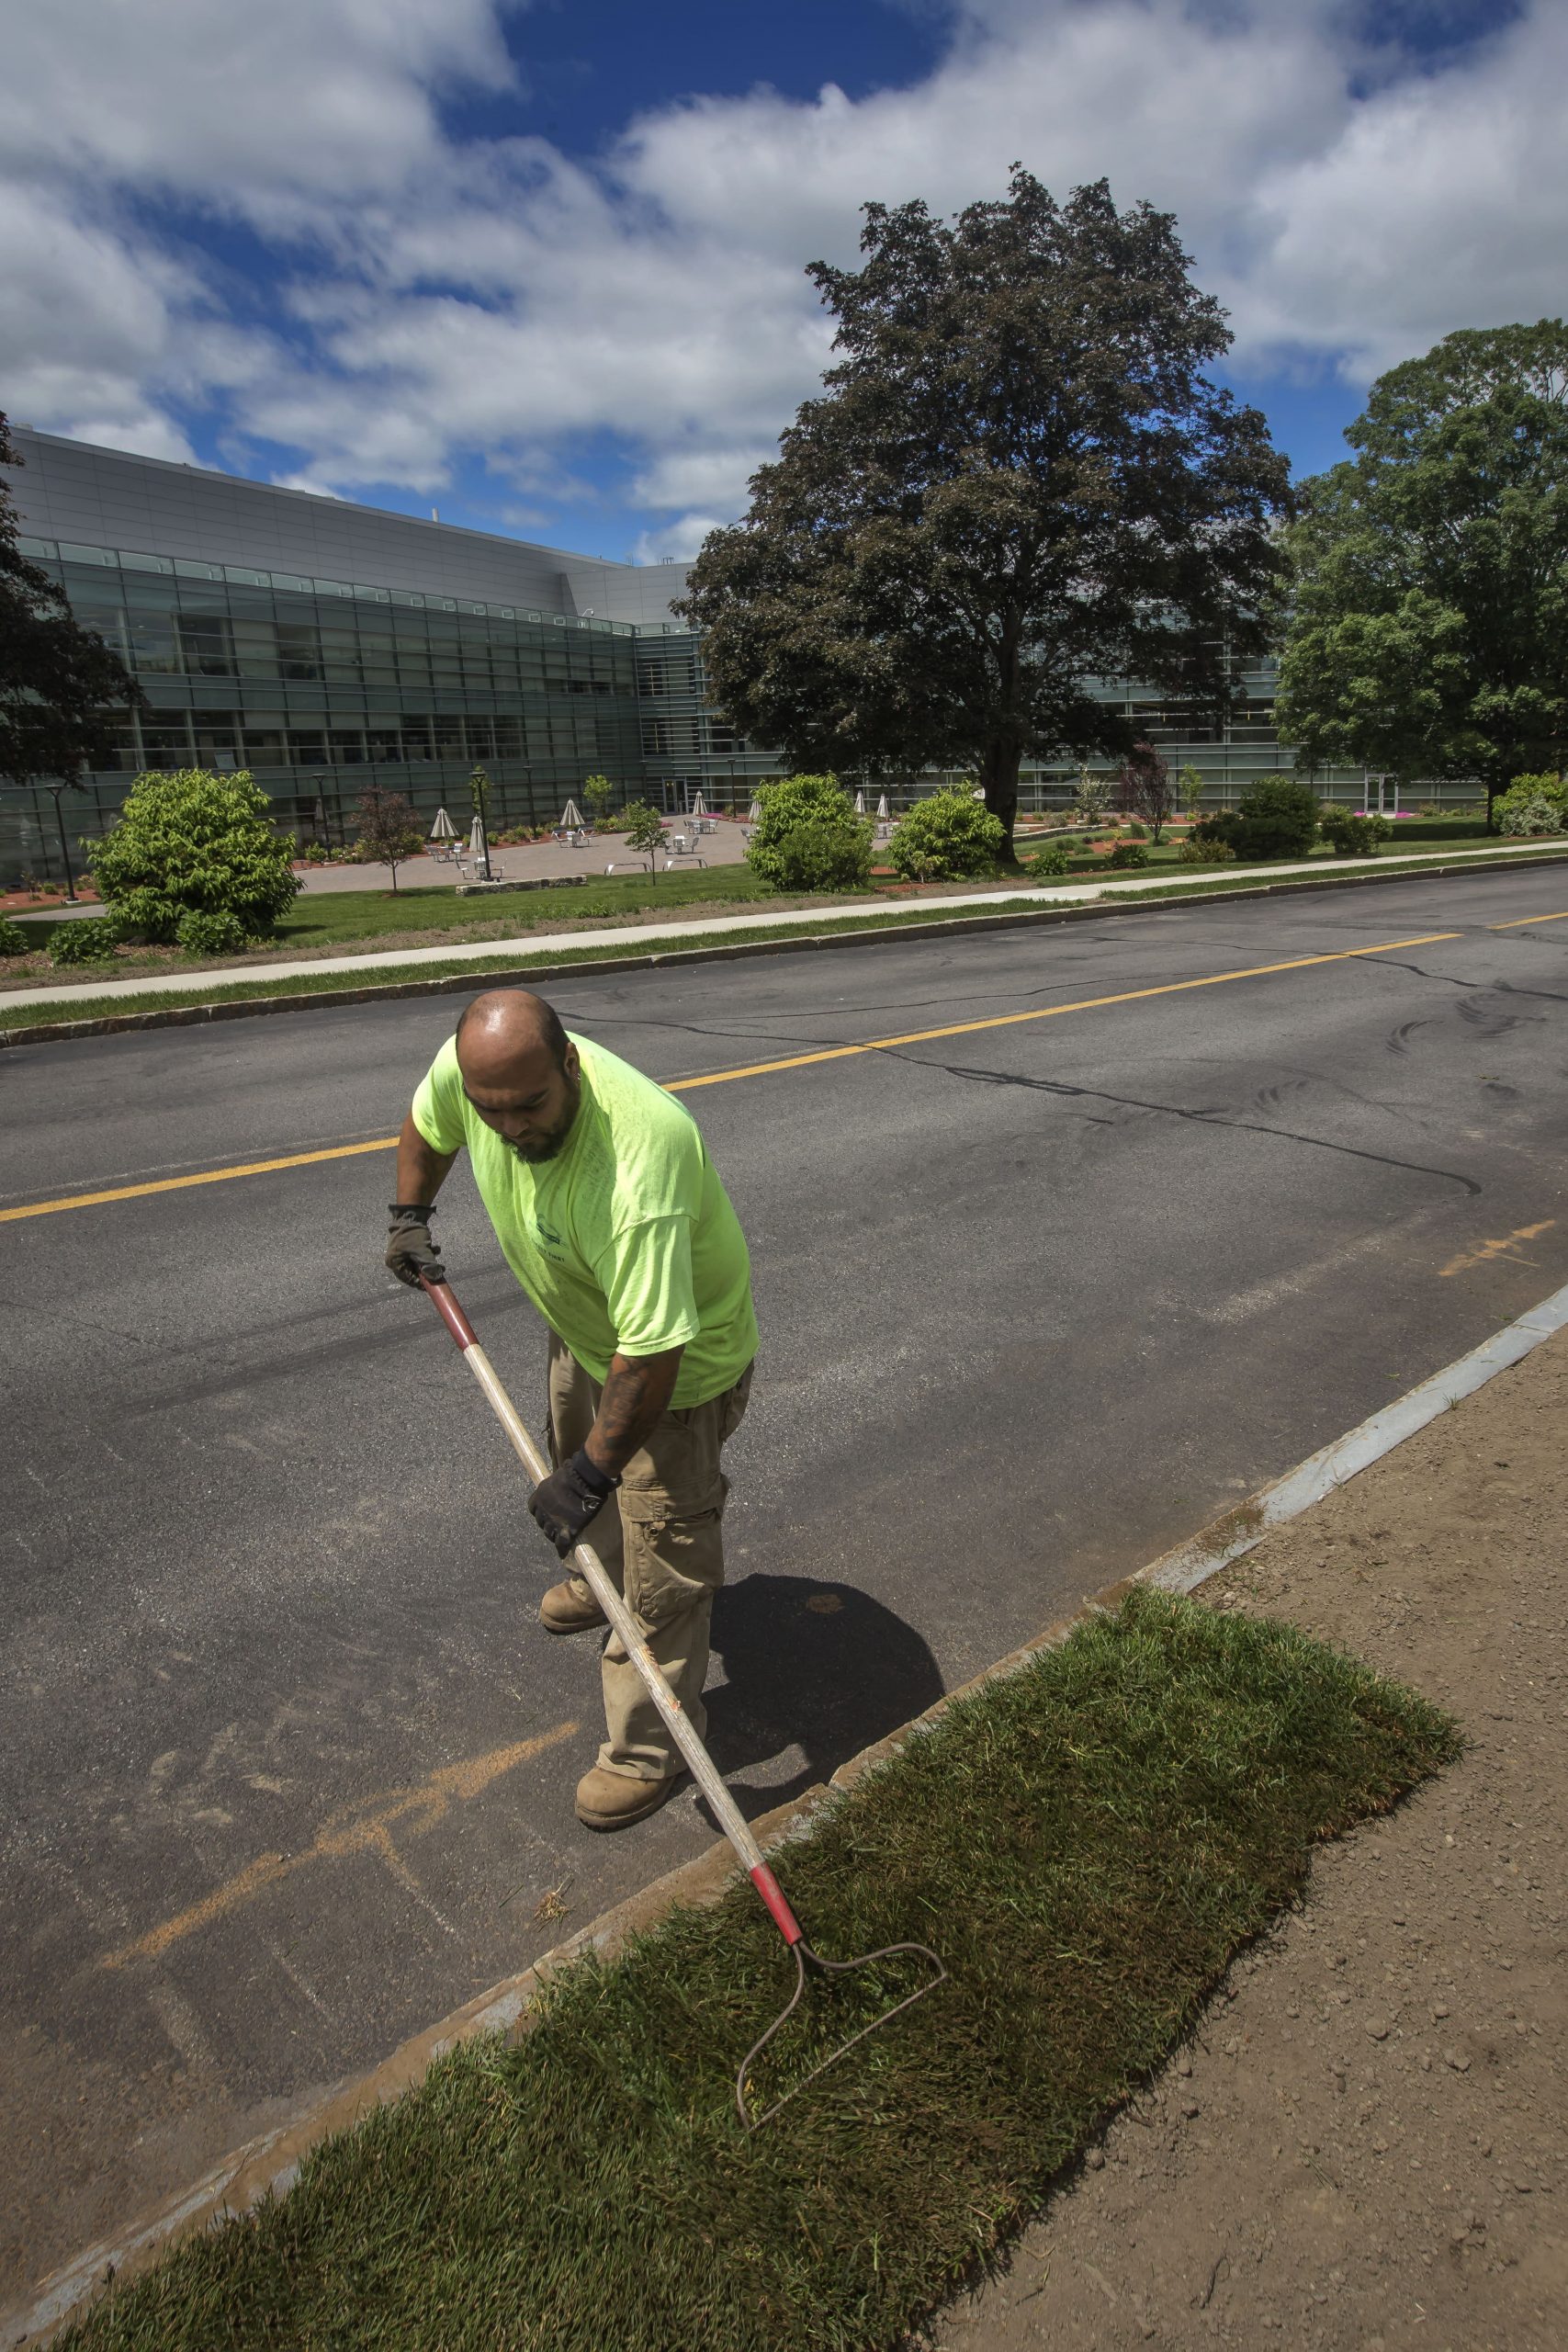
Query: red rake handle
x: 589, y: 1566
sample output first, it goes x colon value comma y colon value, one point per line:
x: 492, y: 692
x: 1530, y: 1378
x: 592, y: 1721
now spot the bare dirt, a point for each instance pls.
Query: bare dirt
x: 1365, y: 2145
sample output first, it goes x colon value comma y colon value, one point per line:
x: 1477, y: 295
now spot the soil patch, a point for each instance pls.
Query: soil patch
x: 1365, y: 2147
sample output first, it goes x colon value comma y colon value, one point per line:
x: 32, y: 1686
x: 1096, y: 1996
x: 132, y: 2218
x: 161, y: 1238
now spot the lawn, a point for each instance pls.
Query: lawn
x: 1086, y: 1842
x: 344, y: 919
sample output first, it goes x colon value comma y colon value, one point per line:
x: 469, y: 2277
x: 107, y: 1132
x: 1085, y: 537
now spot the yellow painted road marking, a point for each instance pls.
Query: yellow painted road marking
x: 179, y: 1183
x: 1520, y: 921
x: 1507, y: 1247
x: 763, y: 1069
x: 1050, y: 1011
x: 366, y: 1827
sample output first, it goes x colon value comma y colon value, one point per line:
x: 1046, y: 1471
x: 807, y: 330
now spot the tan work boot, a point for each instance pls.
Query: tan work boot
x: 569, y: 1607
x: 613, y: 1800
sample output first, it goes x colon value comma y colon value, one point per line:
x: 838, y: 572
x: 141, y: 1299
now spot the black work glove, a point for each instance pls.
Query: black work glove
x: 411, y: 1252
x: 569, y: 1498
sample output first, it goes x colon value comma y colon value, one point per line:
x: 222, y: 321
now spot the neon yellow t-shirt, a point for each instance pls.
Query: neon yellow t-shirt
x: 627, y: 1240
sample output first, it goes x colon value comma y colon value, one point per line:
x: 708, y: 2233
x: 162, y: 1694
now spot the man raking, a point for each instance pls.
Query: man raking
x: 612, y: 1216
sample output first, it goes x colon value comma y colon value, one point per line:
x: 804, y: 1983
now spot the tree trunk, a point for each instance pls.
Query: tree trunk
x: 999, y: 774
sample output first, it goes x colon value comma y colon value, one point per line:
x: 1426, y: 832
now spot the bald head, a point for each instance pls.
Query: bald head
x: 505, y: 1022
x: 520, y: 1070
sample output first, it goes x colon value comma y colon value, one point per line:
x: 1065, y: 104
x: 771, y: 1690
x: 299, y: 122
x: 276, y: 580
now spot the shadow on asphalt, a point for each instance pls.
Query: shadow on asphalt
x: 814, y: 1672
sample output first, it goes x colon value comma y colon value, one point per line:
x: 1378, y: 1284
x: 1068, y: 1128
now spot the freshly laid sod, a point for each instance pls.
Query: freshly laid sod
x: 1086, y: 1842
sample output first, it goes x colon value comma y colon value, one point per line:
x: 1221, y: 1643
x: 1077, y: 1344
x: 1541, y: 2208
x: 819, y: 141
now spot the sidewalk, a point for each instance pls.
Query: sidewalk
x: 803, y: 919
x: 1366, y: 2150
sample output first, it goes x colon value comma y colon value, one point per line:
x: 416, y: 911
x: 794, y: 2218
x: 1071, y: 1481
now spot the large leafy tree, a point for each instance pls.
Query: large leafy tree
x: 60, y: 684
x: 1018, y: 480
x: 1428, y: 611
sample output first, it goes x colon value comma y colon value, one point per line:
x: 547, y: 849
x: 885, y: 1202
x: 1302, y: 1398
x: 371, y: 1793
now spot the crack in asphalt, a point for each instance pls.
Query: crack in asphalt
x: 1209, y: 1118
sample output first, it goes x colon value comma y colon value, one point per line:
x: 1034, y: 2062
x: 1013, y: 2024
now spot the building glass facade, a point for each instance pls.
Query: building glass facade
x: 325, y: 647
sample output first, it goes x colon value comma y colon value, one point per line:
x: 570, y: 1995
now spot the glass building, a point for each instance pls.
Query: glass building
x: 324, y: 646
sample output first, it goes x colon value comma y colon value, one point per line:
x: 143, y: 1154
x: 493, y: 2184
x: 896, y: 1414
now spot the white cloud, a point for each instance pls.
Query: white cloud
x: 677, y: 542
x: 441, y: 299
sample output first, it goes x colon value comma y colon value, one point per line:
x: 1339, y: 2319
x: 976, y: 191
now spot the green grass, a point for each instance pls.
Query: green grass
x: 1087, y: 1843
x: 558, y: 956
x: 561, y: 953
x: 340, y: 918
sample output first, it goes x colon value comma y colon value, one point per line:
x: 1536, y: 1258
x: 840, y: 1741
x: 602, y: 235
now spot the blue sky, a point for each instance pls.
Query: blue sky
x: 539, y: 264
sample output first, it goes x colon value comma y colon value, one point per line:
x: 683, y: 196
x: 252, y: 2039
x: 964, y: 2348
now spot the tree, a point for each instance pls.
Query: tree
x: 645, y: 833
x: 1018, y: 481
x: 193, y: 842
x: 1092, y: 799
x: 389, y: 830
x: 60, y: 685
x: 1427, y: 629
x: 600, y: 794
x: 1189, y: 782
x: 1148, y: 788
x: 809, y: 836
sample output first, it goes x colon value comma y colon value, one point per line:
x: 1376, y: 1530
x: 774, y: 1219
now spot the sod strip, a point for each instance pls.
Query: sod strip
x: 1086, y: 1842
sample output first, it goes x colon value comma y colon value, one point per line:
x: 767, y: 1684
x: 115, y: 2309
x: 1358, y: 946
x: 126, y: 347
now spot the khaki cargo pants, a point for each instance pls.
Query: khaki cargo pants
x: 664, y: 1549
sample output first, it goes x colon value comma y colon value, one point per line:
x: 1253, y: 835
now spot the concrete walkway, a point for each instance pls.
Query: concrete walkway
x: 653, y: 934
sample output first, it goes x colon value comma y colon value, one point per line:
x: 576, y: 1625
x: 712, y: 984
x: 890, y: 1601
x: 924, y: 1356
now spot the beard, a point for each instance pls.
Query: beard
x: 552, y: 1142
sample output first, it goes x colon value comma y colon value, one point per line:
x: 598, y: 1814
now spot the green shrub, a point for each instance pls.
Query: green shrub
x: 201, y: 934
x: 1195, y: 851
x: 13, y: 940
x: 1051, y: 859
x: 1528, y: 813
x: 92, y: 940
x: 1277, y: 817
x: 1128, y: 853
x: 1532, y: 805
x: 195, y: 843
x: 808, y: 837
x: 1351, y: 835
x: 948, y: 837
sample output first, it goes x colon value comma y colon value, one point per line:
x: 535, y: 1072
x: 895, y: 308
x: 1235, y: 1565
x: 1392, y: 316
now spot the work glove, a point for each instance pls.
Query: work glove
x: 565, y: 1501
x: 411, y: 1252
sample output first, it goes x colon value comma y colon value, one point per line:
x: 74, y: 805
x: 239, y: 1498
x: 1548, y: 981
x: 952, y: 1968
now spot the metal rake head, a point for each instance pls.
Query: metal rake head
x: 804, y: 1957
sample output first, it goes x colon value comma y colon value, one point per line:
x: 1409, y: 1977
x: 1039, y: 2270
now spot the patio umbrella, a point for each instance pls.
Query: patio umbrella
x: 444, y: 829
x: 883, y: 810
x: 572, y: 818
x: 478, y: 848
x: 754, y: 812
x: 699, y: 806
x: 860, y: 804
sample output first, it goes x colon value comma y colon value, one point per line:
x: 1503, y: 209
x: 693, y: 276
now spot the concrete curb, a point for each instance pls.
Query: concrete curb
x: 269, y: 2164
x: 181, y: 1016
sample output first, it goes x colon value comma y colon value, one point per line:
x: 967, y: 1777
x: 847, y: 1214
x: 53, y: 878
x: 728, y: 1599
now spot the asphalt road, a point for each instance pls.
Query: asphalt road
x: 287, y: 1770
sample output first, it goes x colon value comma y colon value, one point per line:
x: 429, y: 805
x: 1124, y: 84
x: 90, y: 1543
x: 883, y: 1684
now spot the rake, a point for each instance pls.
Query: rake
x: 589, y: 1566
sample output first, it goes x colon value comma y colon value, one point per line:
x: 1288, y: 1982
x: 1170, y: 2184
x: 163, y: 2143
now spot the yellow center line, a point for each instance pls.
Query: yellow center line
x: 1520, y: 921
x: 762, y: 1070
x: 1050, y: 1011
x: 179, y: 1183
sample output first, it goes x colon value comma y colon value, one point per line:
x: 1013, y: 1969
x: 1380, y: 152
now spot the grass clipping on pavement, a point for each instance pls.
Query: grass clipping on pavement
x: 1086, y: 1842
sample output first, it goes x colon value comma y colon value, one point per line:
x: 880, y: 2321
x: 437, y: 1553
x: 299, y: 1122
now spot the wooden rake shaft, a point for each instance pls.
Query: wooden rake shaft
x: 589, y: 1566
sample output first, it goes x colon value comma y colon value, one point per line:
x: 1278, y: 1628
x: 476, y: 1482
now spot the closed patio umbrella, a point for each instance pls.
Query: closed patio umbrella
x: 860, y: 804
x: 572, y: 818
x: 444, y: 829
x: 754, y: 811
x: 699, y: 806
x: 883, y: 810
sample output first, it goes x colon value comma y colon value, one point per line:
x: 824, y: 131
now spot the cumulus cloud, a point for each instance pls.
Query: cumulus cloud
x: 433, y: 299
x: 677, y: 542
